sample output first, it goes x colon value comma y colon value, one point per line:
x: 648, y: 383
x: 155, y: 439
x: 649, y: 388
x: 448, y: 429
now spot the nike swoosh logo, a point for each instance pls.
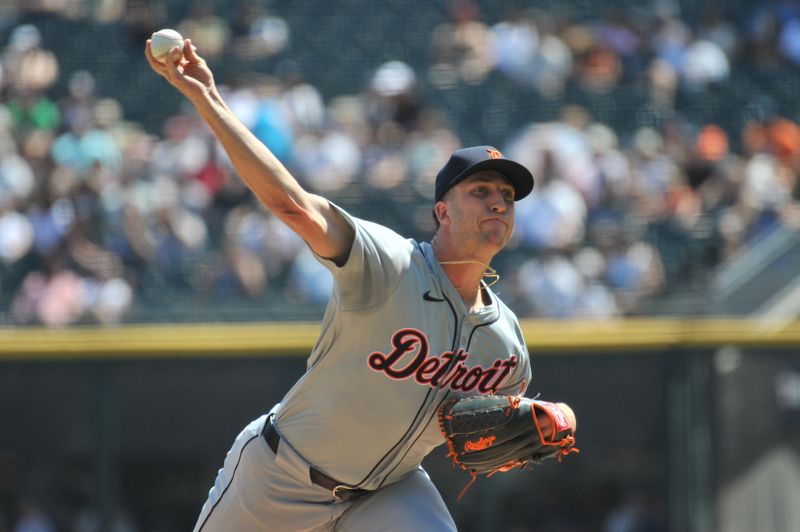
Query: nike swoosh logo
x: 428, y: 297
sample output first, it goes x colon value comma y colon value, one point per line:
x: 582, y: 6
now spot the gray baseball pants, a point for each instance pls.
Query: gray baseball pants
x: 257, y: 490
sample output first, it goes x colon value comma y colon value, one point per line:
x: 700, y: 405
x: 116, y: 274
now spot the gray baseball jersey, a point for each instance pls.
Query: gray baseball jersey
x: 396, y: 340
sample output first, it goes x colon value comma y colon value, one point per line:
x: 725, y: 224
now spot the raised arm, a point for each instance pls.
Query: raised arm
x: 311, y: 216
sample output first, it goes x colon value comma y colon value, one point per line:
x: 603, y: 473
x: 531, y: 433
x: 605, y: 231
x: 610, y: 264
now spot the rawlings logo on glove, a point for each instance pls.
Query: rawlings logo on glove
x: 479, y: 445
x: 490, y: 433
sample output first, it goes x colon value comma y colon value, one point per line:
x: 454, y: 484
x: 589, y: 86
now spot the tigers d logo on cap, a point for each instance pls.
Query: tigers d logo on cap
x: 467, y: 161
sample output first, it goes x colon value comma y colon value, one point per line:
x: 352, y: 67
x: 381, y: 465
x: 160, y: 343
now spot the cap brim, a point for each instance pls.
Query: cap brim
x: 521, y: 179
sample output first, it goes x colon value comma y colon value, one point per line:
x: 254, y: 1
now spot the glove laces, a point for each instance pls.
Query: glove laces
x: 567, y: 447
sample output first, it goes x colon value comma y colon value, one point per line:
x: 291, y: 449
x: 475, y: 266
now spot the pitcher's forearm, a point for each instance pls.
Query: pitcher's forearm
x: 312, y: 217
x: 255, y: 164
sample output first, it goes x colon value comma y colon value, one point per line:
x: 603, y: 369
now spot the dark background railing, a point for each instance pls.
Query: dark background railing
x: 679, y: 425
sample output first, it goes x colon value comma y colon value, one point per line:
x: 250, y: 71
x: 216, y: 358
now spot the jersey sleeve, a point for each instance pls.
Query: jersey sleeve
x: 373, y: 270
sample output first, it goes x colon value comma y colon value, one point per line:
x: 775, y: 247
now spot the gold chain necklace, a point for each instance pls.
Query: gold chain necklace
x: 490, y: 272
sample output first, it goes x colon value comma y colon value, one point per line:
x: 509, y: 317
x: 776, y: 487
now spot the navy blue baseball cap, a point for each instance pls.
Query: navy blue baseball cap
x: 466, y: 161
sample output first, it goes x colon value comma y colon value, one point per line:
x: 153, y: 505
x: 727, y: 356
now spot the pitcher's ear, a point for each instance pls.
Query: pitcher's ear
x: 440, y: 211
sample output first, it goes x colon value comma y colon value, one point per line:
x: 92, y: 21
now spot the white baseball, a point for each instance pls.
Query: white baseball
x: 163, y: 41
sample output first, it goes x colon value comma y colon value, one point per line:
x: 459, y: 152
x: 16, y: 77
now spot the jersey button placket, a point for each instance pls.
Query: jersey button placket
x: 464, y: 329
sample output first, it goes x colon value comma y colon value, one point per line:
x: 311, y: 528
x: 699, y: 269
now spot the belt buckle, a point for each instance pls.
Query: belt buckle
x: 342, y: 492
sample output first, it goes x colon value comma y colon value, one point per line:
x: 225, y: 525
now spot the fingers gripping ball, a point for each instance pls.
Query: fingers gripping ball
x: 163, y: 41
x: 490, y: 433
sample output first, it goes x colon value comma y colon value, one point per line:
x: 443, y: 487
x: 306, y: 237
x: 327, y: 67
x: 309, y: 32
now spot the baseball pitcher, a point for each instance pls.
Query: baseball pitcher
x: 415, y: 351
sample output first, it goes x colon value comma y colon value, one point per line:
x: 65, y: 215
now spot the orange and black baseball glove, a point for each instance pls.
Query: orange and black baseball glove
x: 490, y: 433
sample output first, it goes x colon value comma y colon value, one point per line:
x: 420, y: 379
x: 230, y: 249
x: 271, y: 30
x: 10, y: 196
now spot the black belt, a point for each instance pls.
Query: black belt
x: 340, y: 491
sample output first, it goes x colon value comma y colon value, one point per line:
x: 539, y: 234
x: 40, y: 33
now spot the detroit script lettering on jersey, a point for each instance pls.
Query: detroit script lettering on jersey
x: 410, y: 356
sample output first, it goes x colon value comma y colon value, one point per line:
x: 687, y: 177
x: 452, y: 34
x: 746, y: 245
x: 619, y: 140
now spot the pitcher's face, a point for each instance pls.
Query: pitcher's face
x: 480, y: 211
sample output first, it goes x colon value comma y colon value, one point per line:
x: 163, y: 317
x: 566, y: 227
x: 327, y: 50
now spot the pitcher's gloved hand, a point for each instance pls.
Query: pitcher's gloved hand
x: 490, y: 433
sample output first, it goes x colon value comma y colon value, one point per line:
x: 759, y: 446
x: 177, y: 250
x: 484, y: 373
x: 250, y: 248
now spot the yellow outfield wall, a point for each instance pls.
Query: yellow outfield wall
x: 290, y: 338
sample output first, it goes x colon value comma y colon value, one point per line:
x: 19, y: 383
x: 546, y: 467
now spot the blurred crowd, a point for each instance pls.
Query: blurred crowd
x: 104, y: 221
x: 663, y: 147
